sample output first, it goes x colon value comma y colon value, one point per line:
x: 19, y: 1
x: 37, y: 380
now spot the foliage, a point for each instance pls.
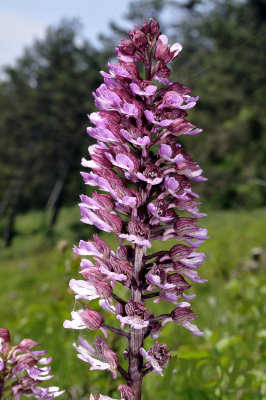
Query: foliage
x: 44, y: 100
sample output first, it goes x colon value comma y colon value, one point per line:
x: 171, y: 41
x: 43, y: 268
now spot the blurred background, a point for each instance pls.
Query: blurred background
x: 50, y: 57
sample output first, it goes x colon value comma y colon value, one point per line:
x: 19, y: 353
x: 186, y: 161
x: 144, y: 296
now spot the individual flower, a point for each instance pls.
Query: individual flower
x: 158, y: 276
x: 136, y: 136
x: 136, y: 316
x: 157, y: 357
x: 126, y: 161
x: 157, y: 118
x: 97, y: 248
x: 138, y: 233
x: 164, y: 52
x: 151, y: 174
x: 144, y: 89
x: 86, y: 319
x: 160, y: 211
x: 91, y: 289
x: 99, y: 357
x: 186, y: 255
x: 183, y: 316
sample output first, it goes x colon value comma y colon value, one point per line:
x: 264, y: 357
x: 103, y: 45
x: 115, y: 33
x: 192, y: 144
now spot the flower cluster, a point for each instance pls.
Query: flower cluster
x: 23, y: 369
x: 144, y: 178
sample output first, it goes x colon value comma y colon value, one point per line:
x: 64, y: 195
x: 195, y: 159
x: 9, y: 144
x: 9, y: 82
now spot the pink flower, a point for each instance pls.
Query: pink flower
x: 136, y: 316
x: 164, y: 52
x: 186, y: 255
x: 152, y: 175
x: 86, y: 319
x: 138, y: 233
x: 183, y: 316
x: 157, y: 119
x: 157, y: 357
x: 147, y: 89
x: 24, y: 369
x: 99, y: 357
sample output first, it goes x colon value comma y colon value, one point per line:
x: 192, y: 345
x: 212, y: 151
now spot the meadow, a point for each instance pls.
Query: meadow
x: 227, y: 364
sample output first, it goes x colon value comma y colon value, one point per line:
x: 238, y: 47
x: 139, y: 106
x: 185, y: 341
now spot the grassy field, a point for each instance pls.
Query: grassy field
x: 227, y: 364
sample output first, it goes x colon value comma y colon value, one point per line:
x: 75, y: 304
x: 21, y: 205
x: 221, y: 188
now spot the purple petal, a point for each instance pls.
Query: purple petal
x: 192, y: 328
x: 150, y: 117
x: 88, y: 217
x: 102, y: 134
x: 130, y: 109
x: 85, y: 263
x: 113, y: 275
x: 165, y: 151
x: 86, y: 249
x: 107, y: 305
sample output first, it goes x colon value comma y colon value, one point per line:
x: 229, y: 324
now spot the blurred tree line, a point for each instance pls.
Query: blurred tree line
x: 46, y: 96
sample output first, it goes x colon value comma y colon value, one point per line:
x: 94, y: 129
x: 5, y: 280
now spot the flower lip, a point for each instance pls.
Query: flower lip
x: 152, y: 175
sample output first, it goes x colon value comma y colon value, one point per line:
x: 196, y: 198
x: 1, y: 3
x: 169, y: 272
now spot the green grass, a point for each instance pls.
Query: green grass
x: 226, y: 364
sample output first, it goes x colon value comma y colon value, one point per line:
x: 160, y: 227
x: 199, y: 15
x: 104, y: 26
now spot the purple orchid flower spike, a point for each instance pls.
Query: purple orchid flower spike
x: 144, y: 179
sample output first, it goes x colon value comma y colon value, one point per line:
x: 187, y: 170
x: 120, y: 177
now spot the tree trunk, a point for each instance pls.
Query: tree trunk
x: 14, y: 203
x: 54, y: 200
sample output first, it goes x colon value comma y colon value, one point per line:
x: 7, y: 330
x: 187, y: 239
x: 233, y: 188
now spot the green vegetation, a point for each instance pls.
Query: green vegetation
x: 227, y: 364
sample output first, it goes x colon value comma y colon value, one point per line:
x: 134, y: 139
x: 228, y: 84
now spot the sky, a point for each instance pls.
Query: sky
x: 22, y: 21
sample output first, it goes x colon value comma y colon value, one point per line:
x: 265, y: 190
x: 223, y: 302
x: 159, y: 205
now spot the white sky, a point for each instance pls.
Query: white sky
x: 22, y: 21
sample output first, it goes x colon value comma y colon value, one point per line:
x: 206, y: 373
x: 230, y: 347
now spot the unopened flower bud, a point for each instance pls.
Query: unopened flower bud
x: 4, y: 336
x: 139, y: 38
x: 113, y: 220
x: 92, y: 319
x: 27, y: 344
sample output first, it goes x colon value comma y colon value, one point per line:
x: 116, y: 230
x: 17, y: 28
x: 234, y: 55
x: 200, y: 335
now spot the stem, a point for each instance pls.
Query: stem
x: 123, y: 372
x: 116, y: 331
x: 146, y: 371
x: 150, y: 295
x: 157, y: 254
x: 117, y: 298
x: 136, y: 335
x: 159, y: 317
x: 148, y: 71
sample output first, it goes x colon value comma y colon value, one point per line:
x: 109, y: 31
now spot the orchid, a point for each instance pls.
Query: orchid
x: 22, y: 370
x: 144, y: 180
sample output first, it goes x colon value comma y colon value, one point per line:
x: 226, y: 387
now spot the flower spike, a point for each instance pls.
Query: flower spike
x: 143, y: 179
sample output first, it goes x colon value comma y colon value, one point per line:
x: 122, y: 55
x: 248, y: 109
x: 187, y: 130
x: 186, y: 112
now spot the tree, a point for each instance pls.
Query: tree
x: 44, y: 102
